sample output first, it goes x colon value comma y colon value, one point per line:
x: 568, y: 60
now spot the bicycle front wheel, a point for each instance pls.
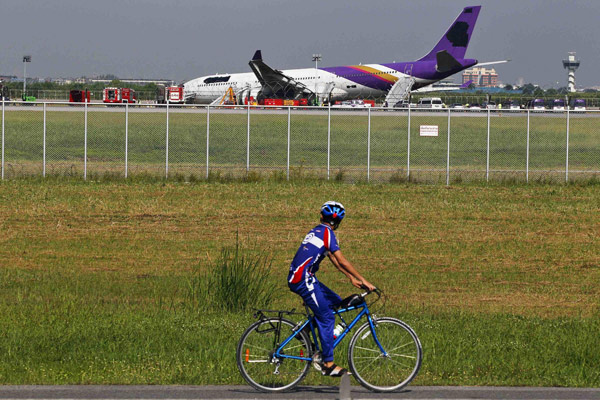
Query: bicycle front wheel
x: 391, y: 369
x: 257, y: 362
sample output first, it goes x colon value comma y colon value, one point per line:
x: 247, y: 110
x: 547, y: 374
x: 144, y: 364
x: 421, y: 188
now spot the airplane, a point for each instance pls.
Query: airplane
x: 392, y: 81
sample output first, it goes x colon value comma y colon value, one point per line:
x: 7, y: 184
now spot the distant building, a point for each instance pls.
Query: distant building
x: 62, y: 81
x: 8, y: 78
x: 481, y: 77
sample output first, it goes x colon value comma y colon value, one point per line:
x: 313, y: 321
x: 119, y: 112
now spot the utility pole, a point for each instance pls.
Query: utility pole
x: 26, y: 59
x: 316, y: 58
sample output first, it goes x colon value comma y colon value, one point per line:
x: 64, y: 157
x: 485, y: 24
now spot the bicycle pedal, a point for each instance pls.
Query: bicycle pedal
x: 317, y: 361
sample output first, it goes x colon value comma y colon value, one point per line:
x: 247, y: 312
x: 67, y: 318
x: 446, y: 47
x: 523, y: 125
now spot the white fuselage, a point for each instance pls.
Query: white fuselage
x: 322, y: 82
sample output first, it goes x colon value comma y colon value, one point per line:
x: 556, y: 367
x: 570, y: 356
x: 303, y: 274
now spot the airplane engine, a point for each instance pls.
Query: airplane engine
x: 338, y: 94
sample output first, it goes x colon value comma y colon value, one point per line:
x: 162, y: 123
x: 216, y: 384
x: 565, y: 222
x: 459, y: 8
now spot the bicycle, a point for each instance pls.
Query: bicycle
x: 384, y: 354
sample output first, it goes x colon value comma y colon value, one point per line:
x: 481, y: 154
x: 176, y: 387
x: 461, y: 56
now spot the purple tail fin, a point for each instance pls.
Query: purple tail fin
x: 456, y: 40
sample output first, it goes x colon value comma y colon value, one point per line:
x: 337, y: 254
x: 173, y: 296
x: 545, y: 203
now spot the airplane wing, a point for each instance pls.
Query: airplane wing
x: 275, y: 84
x: 492, y: 63
x: 430, y: 88
x: 427, y: 89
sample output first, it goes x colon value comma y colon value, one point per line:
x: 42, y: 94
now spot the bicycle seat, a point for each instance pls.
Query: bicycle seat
x: 352, y: 300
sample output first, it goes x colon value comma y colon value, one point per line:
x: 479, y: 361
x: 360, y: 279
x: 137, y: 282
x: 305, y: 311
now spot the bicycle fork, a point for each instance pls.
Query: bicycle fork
x: 372, y: 331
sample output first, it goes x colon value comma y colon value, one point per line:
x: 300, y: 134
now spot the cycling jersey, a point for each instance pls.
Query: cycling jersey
x: 315, y: 246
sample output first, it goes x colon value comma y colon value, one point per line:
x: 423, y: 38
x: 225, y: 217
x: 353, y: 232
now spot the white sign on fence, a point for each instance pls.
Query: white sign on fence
x: 429, y: 130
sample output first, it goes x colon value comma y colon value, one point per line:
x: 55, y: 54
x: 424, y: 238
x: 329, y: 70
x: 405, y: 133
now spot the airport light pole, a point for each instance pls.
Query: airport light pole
x: 26, y: 59
x: 316, y: 58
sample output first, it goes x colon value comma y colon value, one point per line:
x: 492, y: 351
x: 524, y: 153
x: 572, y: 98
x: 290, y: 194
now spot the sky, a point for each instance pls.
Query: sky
x: 185, y: 39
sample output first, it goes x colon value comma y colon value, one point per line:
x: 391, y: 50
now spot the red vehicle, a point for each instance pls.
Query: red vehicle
x: 118, y: 95
x: 175, y: 94
x: 79, y: 96
x: 172, y: 94
x: 282, y: 102
x: 271, y: 102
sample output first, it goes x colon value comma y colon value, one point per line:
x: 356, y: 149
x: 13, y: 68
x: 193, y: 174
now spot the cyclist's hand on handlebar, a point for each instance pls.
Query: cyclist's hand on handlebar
x: 356, y: 282
x: 367, y: 285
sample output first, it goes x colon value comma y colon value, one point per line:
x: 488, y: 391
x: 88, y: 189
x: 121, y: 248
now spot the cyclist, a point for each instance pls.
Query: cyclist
x: 317, y: 244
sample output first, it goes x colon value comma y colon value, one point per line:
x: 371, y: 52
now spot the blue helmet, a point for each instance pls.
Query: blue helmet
x: 332, y: 212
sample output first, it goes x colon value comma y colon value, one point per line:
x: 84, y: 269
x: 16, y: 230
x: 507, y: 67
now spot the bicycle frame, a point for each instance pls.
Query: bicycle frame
x: 364, y: 312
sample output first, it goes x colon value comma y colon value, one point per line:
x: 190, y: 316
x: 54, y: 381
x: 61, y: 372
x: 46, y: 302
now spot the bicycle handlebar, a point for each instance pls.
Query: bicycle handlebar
x: 376, y: 291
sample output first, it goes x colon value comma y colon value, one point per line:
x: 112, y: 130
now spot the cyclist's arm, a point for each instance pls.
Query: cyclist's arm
x: 341, y: 263
x: 338, y: 266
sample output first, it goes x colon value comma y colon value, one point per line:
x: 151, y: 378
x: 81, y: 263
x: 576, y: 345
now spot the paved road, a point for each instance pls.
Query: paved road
x: 306, y: 392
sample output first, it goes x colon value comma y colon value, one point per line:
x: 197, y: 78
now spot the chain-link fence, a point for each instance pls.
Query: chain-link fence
x: 93, y: 141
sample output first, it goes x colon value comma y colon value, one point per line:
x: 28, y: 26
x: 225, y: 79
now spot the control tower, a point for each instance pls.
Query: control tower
x: 571, y: 64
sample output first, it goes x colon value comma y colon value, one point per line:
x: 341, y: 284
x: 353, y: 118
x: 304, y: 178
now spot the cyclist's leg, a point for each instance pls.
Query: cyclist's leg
x: 329, y: 368
x: 331, y: 296
x: 318, y: 302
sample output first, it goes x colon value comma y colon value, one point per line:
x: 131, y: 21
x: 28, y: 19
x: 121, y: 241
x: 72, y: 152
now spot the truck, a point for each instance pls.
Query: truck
x: 118, y: 95
x: 79, y: 96
x: 172, y: 94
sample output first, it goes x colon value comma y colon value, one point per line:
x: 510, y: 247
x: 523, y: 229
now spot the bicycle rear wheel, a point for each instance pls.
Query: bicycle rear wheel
x: 382, y: 372
x: 256, y: 360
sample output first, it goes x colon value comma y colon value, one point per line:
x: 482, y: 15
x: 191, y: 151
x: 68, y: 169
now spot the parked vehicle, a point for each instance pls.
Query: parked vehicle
x: 118, y: 95
x: 536, y: 105
x: 430, y: 102
x: 558, y: 105
x: 404, y: 104
x: 475, y: 106
x: 172, y: 94
x: 79, y: 96
x: 354, y: 104
x: 511, y: 105
x: 457, y: 106
x: 489, y: 105
x: 578, y: 105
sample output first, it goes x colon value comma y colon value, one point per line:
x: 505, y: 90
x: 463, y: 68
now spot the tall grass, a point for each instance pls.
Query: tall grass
x: 237, y: 281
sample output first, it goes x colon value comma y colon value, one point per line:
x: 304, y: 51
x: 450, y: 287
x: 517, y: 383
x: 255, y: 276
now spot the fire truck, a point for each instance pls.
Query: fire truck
x: 172, y: 94
x: 79, y: 96
x: 118, y: 95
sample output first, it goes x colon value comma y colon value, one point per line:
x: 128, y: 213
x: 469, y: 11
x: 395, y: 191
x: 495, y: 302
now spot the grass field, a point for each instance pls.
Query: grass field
x: 146, y: 143
x: 502, y: 283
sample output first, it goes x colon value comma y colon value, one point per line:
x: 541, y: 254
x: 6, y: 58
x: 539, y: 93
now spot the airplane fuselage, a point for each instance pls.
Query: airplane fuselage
x: 336, y: 83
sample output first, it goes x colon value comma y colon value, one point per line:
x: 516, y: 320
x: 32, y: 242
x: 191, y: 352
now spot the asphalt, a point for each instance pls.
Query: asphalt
x: 303, y: 392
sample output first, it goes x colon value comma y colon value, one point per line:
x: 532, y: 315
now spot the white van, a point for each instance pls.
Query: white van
x: 430, y: 102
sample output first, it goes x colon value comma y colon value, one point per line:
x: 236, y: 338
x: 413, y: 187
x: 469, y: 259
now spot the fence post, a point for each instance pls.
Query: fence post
x: 126, y: 137
x: 2, y: 136
x: 44, y: 145
x: 207, y: 136
x: 369, y: 146
x: 527, y: 154
x: 167, y: 145
x: 248, y: 140
x: 487, y: 158
x: 408, y: 146
x: 567, y: 161
x: 328, y: 137
x: 448, y: 153
x: 85, y: 141
x: 288, y: 142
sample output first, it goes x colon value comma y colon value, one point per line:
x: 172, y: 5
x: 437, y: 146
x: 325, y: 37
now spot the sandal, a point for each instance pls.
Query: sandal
x: 330, y: 371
